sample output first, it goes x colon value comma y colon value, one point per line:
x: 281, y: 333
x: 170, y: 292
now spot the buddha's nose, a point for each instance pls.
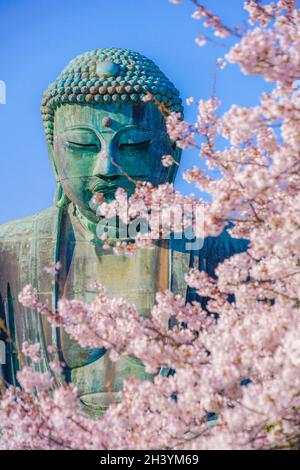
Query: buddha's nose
x: 106, y: 164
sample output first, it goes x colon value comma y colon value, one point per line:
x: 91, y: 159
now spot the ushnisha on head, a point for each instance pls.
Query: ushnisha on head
x: 104, y: 119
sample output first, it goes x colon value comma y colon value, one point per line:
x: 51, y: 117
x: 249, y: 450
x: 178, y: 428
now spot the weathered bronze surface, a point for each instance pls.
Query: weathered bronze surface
x: 101, y: 136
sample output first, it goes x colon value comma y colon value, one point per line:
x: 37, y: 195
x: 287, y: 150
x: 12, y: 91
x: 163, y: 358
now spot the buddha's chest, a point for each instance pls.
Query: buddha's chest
x: 136, y: 278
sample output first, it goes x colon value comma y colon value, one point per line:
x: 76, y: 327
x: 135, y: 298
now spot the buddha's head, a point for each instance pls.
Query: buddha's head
x: 104, y: 119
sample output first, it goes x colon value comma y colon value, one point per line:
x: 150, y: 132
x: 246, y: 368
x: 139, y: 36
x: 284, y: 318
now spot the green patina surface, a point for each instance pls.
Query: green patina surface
x: 101, y: 136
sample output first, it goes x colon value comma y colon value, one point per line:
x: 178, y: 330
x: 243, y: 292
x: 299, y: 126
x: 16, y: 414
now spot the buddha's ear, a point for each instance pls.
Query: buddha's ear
x: 52, y: 161
x: 60, y: 199
x: 177, y: 154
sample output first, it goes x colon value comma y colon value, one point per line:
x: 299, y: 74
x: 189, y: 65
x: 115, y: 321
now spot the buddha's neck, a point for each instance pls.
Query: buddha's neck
x: 95, y: 227
x: 86, y: 220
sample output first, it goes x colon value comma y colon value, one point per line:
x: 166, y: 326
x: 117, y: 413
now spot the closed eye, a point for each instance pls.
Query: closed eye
x: 80, y: 145
x: 137, y: 145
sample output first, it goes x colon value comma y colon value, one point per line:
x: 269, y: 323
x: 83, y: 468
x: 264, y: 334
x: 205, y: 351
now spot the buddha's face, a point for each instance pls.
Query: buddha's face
x: 98, y: 149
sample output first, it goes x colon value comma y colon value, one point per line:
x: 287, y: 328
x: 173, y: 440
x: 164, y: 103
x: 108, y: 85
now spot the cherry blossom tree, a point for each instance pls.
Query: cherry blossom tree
x: 232, y: 369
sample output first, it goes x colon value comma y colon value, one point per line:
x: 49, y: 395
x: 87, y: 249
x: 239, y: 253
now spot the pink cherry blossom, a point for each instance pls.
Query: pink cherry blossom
x: 201, y: 40
x: 32, y: 351
x: 167, y: 160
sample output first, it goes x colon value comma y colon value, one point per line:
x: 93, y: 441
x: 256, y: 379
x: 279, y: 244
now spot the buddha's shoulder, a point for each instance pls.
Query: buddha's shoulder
x: 28, y: 227
x: 206, y: 254
x: 222, y: 245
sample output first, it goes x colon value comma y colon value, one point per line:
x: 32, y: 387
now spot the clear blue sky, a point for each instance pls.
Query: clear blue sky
x: 39, y: 37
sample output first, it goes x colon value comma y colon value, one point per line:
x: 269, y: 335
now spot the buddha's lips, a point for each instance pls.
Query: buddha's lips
x: 103, y: 187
